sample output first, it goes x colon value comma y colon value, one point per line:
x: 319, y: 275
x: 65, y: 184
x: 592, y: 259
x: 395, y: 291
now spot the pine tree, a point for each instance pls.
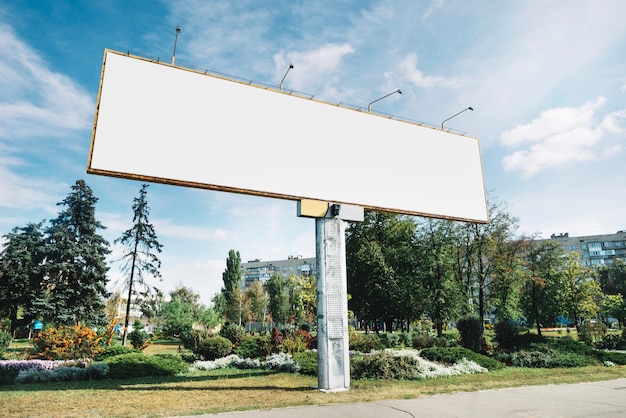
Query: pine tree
x: 22, y: 287
x: 140, y: 242
x: 75, y: 261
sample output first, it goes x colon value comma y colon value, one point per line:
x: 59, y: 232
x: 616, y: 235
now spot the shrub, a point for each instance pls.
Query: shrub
x: 471, y: 330
x: 420, y: 341
x: 139, y: 338
x: 214, y: 347
x: 63, y: 374
x: 298, y: 342
x: 250, y: 347
x: 126, y: 366
x: 453, y: 355
x: 233, y: 332
x: 276, y: 341
x: 9, y: 369
x: 307, y: 361
x: 191, y: 339
x: 67, y: 342
x: 365, y: 343
x: 113, y: 351
x: 281, y: 362
x: 5, y: 340
x: 590, y: 333
x: 506, y: 334
x: 382, y: 365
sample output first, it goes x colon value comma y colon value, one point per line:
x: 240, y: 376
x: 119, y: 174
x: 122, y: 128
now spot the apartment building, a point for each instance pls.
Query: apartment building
x: 262, y: 270
x: 595, y: 250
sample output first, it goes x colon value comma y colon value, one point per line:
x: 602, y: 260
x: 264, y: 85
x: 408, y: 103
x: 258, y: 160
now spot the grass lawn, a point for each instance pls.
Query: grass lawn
x: 231, y: 390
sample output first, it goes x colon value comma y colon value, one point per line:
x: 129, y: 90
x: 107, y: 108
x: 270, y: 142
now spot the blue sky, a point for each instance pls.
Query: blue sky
x: 546, y: 79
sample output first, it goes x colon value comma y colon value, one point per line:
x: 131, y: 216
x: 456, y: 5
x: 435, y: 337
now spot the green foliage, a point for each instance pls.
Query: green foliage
x: 453, y: 355
x: 365, y: 342
x: 471, y: 329
x: 548, y: 358
x: 76, y: 264
x: 183, y: 310
x: 421, y: 340
x: 278, y: 303
x: 5, y: 340
x: 591, y: 333
x: 192, y: 338
x: 126, y: 366
x: 214, y: 347
x: 251, y: 347
x: 233, y: 332
x: 112, y: 351
x: 22, y: 281
x: 382, y: 365
x: 138, y: 337
x: 307, y: 361
x: 67, y: 343
x: 231, y: 290
x: 141, y: 243
x: 506, y: 334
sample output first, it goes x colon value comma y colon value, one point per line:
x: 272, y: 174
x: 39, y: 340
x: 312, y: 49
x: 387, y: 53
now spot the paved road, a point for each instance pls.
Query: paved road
x: 598, y: 399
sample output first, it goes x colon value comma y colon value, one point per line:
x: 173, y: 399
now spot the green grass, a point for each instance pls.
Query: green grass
x: 231, y: 390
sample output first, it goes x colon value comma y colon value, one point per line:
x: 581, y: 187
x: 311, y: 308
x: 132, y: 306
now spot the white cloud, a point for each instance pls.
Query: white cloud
x: 408, y: 71
x: 561, y: 136
x: 311, y: 66
x: 36, y: 101
x: 167, y: 228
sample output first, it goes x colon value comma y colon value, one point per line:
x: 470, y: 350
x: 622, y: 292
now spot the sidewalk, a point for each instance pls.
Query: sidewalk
x: 598, y: 399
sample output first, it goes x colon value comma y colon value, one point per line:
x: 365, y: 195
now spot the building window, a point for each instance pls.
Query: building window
x: 608, y: 243
x: 595, y: 245
x: 583, y: 246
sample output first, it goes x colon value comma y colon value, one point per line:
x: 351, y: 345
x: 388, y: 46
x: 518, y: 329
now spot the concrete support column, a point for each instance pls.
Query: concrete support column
x: 332, y: 305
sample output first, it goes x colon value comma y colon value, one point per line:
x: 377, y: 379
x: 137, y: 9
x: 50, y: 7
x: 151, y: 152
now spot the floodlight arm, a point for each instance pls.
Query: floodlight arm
x: 469, y: 108
x: 175, y: 42
x: 369, y: 106
x: 281, y: 81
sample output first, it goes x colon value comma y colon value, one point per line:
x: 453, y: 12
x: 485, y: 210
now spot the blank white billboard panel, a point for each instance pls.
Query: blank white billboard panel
x: 156, y: 122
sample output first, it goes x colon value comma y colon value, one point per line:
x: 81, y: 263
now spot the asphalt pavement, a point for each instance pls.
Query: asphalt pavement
x: 597, y: 399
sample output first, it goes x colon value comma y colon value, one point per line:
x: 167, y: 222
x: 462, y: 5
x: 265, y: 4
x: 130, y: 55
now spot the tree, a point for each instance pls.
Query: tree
x: 541, y: 300
x: 612, y: 277
x: 140, y: 242
x: 22, y: 276
x: 232, y: 288
x: 278, y: 297
x: 380, y: 262
x: 257, y: 302
x: 76, y: 261
x: 615, y: 306
x: 581, y: 292
x: 183, y: 310
x: 483, y: 243
x: 436, y: 255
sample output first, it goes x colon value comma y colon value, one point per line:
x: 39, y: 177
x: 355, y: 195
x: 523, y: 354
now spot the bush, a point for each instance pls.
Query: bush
x: 66, y: 343
x: 251, y: 347
x: 126, y: 366
x: 420, y: 341
x: 298, y: 342
x: 471, y: 330
x: 365, y: 342
x: 453, y: 355
x: 506, y: 334
x: 548, y: 358
x: 113, y: 351
x: 591, y: 333
x: 382, y: 365
x: 214, y: 347
x: 5, y: 340
x: 139, y: 338
x: 233, y: 332
x: 282, y: 362
x: 63, y: 374
x: 307, y: 361
x: 191, y: 339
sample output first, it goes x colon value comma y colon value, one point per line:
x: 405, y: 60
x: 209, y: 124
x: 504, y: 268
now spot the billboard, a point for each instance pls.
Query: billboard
x: 161, y: 123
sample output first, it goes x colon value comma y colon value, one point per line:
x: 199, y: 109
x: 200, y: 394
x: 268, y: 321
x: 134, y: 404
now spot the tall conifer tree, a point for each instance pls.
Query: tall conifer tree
x: 140, y: 242
x: 75, y: 261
